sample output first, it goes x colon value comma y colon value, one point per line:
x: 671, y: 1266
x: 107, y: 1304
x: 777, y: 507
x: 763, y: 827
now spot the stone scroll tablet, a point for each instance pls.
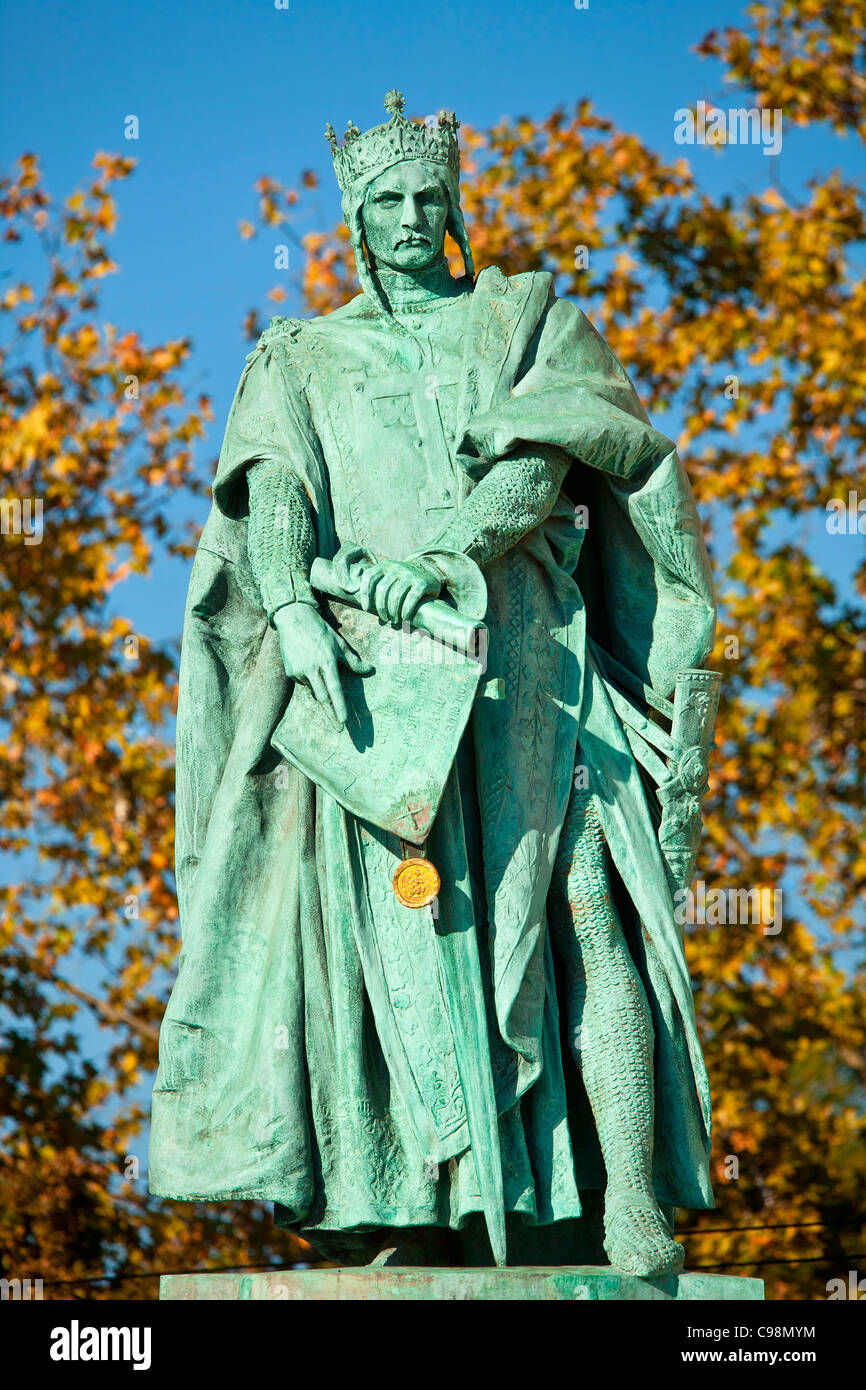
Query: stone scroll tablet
x: 389, y: 765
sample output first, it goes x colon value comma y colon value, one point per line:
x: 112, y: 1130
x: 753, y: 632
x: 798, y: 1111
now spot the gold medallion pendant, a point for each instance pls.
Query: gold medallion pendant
x: 416, y: 882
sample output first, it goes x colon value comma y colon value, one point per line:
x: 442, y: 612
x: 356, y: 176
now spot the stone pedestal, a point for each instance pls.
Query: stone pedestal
x: 586, y: 1283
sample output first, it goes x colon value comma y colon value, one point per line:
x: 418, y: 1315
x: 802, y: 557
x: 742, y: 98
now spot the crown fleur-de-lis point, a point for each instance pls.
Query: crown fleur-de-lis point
x: 400, y: 138
x: 394, y: 102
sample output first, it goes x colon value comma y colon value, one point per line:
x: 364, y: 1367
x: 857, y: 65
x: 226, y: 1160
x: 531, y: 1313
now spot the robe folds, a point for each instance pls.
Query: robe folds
x: 307, y: 1054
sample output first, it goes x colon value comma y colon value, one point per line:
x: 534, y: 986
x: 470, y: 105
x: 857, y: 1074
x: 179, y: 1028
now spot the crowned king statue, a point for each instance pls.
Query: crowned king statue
x: 442, y: 743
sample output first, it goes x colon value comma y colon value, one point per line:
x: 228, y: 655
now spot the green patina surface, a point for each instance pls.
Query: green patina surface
x: 529, y: 1038
x: 565, y: 1285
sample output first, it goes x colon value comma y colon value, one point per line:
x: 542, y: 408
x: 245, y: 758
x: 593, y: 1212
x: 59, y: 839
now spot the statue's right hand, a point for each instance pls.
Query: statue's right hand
x: 311, y: 652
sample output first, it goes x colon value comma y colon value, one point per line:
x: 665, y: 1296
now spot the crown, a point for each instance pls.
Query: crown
x: 397, y: 139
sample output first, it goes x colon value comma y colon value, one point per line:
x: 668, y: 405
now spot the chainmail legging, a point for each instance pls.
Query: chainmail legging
x: 609, y: 1023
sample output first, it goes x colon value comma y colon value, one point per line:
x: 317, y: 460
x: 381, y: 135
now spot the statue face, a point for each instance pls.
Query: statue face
x: 404, y: 215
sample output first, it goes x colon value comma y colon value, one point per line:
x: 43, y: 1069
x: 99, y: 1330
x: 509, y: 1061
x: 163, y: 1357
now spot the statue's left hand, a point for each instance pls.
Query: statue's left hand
x: 394, y: 589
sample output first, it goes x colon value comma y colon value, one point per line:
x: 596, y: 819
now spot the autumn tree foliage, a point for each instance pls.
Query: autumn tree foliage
x: 96, y: 443
x: 742, y: 320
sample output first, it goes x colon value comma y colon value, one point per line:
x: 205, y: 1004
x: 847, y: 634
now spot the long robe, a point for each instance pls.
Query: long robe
x: 307, y: 1054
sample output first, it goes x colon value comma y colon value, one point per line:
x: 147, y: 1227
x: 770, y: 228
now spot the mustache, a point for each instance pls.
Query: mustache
x: 413, y: 237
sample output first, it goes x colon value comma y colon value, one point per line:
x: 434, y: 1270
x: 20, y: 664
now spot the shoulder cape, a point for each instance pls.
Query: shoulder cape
x: 534, y: 370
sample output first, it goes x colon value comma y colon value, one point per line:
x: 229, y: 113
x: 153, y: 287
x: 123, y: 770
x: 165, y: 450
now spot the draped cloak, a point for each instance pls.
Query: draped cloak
x: 306, y: 1055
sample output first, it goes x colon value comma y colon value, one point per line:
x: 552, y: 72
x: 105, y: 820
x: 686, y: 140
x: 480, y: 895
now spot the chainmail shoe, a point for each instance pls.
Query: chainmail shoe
x: 637, y: 1237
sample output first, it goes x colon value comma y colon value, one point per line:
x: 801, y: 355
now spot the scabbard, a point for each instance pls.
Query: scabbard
x: 696, y: 703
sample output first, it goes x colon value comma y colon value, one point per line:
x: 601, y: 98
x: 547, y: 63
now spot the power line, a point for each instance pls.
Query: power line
x: 683, y: 1231
x: 158, y: 1274
x: 806, y: 1260
x: 265, y: 1269
x: 782, y: 1226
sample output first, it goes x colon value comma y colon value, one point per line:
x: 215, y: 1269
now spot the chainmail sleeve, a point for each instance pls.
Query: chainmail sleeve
x: 280, y: 540
x: 517, y: 494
